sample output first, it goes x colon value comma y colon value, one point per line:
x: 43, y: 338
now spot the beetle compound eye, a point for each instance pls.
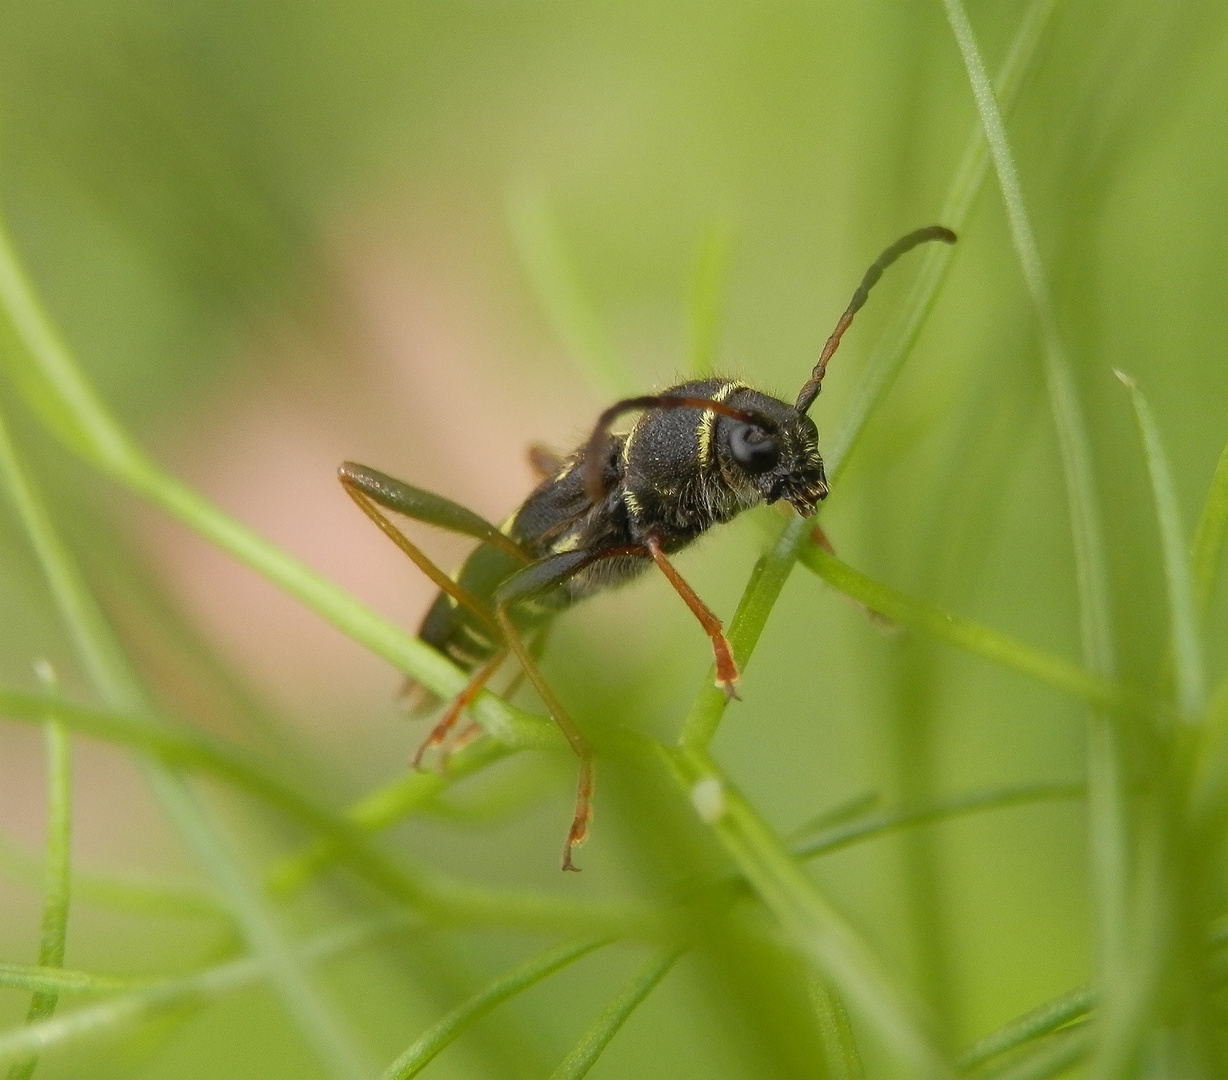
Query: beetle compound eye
x: 753, y: 448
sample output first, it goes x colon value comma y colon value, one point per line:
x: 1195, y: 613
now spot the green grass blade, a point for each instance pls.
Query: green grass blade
x: 1182, y: 610
x: 1055, y: 1055
x: 706, y: 297
x: 815, y: 928
x: 1041, y: 1021
x: 1107, y: 815
x: 593, y: 1042
x: 854, y: 808
x: 839, y: 1043
x: 556, y: 284
x: 58, y: 980
x: 1208, y: 547
x: 964, y: 634
x: 842, y: 835
x: 423, y: 1050
x: 123, y: 1011
x: 57, y: 872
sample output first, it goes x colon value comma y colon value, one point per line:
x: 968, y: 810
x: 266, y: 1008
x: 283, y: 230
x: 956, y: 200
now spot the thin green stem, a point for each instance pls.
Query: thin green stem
x: 423, y: 1050
x: 1106, y: 800
x: 1054, y: 1055
x: 1206, y: 553
x: 156, y: 999
x: 57, y: 872
x: 993, y: 645
x: 58, y: 980
x: 593, y: 1042
x: 1182, y: 609
x: 867, y: 828
x: 1041, y: 1021
x: 818, y: 932
x: 839, y: 1043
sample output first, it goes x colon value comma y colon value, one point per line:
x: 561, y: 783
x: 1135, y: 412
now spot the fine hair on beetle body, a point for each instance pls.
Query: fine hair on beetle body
x: 697, y: 455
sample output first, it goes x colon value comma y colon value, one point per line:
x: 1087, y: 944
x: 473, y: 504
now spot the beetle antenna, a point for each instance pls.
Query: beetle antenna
x: 594, y: 449
x: 810, y: 389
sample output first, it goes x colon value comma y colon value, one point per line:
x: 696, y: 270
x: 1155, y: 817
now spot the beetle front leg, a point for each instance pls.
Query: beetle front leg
x: 726, y: 669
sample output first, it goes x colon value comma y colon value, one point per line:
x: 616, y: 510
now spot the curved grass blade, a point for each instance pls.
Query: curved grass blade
x: 1182, y: 611
x: 423, y: 1050
x: 57, y: 873
x: 709, y: 275
x: 593, y: 1042
x: 1041, y: 1021
x: 1110, y: 853
x: 854, y: 832
x: 148, y: 1002
x: 552, y: 274
x: 1208, y: 547
x: 993, y: 645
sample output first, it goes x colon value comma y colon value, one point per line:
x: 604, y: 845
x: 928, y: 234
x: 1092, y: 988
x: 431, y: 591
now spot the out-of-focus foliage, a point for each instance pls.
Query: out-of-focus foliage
x: 280, y: 234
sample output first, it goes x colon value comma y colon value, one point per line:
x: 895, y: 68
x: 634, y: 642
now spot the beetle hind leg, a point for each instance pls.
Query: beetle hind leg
x: 443, y: 727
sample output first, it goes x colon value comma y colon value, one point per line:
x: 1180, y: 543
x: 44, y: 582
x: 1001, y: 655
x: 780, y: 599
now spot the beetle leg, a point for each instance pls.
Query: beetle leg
x: 726, y: 669
x: 459, y: 703
x: 534, y: 579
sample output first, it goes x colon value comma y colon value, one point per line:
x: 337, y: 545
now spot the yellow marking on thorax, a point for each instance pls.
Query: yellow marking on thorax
x: 703, y: 430
x: 632, y: 503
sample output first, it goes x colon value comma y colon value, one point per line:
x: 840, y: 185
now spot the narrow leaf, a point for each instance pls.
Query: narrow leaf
x: 1182, y: 611
x: 423, y: 1050
x: 1042, y: 1020
x: 1208, y: 547
x: 593, y: 1042
x: 842, y: 835
x: 993, y: 645
x: 57, y: 872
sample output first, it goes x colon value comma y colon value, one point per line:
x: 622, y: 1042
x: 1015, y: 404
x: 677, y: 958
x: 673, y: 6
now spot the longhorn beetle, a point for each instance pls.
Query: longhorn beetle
x: 699, y: 454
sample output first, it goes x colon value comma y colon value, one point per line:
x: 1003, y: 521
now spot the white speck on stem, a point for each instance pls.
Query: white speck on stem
x: 708, y: 798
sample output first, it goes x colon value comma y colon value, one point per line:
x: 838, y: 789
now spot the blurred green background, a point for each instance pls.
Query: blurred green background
x: 279, y: 235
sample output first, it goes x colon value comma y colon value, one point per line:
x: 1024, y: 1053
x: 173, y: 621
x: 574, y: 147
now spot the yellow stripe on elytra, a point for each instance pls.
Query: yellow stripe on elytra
x: 703, y: 431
